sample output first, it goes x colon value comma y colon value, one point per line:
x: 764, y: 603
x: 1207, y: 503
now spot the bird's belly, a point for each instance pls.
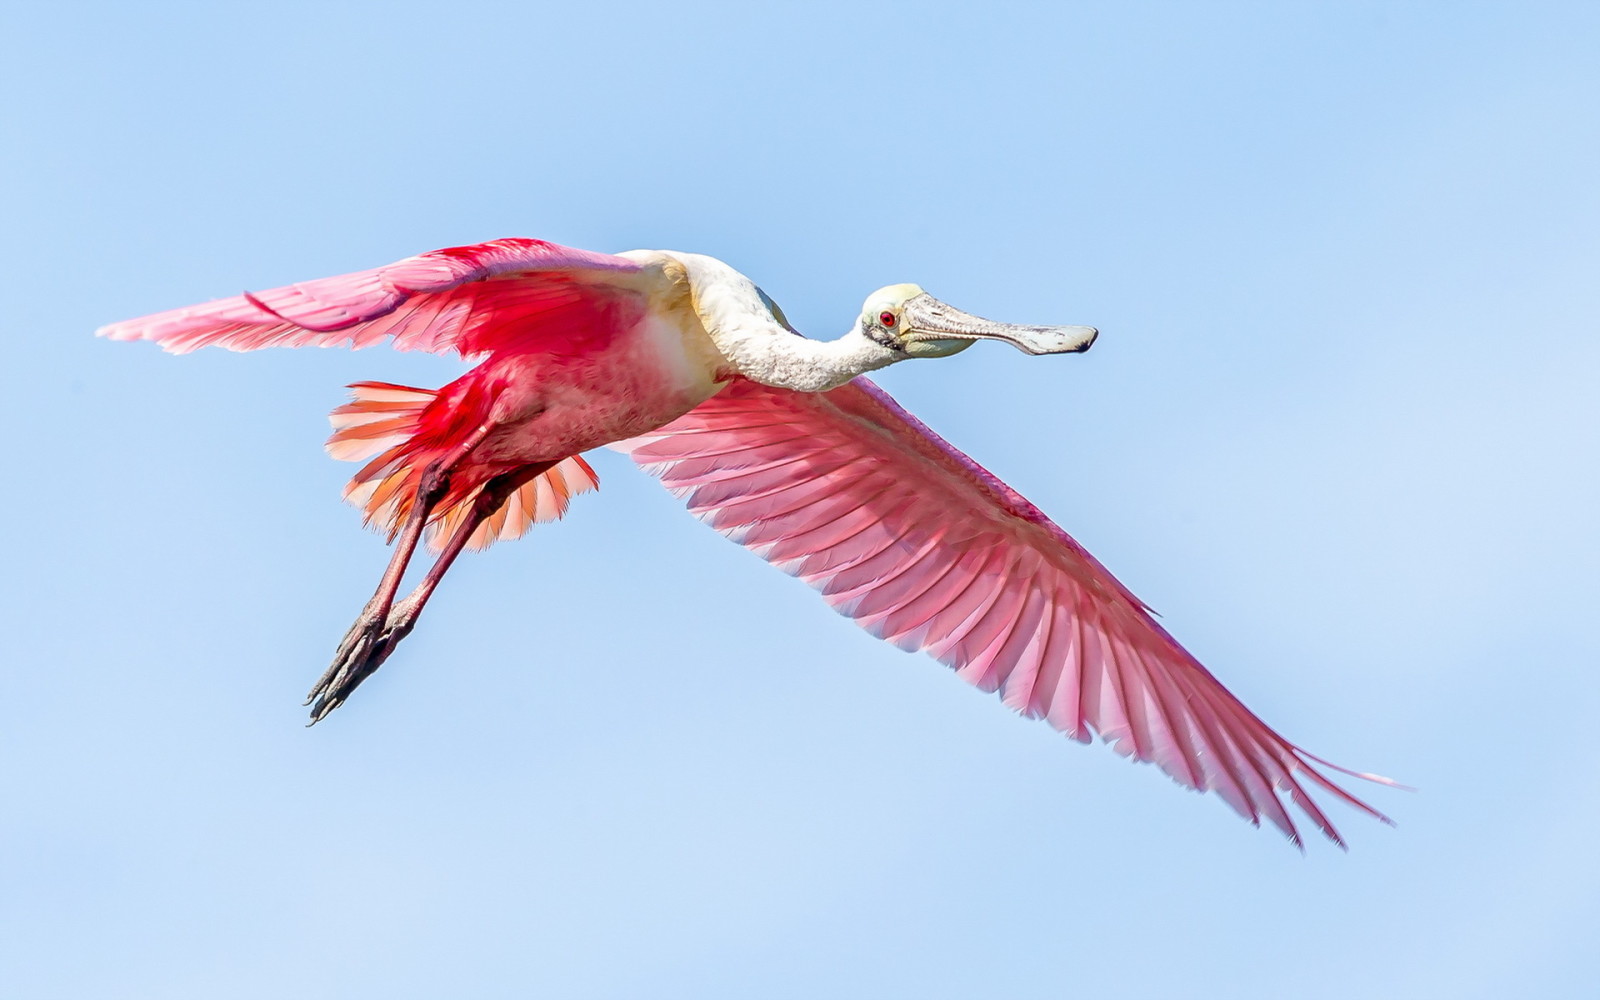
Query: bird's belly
x: 552, y: 407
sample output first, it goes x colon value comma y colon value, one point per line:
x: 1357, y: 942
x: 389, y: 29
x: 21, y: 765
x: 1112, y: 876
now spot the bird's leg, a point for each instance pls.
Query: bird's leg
x: 403, y: 616
x: 370, y: 641
x: 360, y: 652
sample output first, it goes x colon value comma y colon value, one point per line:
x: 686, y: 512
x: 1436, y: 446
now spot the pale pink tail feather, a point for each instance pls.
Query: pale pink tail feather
x: 379, y: 424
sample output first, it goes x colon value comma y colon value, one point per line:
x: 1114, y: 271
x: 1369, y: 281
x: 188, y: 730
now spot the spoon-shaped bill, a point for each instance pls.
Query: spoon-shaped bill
x: 926, y: 318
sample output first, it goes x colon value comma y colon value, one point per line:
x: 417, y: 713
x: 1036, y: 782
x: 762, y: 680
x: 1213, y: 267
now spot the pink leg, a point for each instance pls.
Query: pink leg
x: 372, y: 639
x: 352, y: 661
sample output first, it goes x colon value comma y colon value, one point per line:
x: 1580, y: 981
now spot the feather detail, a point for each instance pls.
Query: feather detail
x: 382, y: 423
x: 924, y: 548
x: 468, y: 299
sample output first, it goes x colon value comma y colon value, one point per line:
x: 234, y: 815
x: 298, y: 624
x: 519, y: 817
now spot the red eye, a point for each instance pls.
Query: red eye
x: 886, y: 318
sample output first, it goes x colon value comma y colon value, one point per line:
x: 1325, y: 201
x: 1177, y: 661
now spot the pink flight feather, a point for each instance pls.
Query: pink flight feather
x: 439, y: 301
x: 923, y: 547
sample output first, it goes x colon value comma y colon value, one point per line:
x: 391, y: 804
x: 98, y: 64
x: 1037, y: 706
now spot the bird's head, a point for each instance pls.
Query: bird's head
x: 909, y: 321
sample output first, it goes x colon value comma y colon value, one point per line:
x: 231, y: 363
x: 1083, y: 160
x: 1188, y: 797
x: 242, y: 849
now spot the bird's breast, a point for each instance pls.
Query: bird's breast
x: 553, y: 406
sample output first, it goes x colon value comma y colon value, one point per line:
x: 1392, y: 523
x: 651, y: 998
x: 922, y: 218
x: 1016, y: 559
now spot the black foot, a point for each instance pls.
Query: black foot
x: 368, y: 643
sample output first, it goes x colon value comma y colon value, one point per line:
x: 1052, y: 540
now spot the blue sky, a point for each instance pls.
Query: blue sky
x: 1340, y: 428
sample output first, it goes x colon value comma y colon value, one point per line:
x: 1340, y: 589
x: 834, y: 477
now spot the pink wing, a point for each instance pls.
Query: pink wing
x: 469, y: 299
x: 924, y: 548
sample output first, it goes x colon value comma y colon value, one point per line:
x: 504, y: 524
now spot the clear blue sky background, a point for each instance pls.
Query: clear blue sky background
x: 1341, y: 428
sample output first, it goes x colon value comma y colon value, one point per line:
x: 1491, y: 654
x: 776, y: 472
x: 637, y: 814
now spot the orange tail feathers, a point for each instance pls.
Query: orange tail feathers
x: 380, y: 423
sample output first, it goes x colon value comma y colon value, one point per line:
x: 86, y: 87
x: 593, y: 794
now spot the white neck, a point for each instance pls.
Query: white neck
x: 739, y: 321
x: 786, y: 360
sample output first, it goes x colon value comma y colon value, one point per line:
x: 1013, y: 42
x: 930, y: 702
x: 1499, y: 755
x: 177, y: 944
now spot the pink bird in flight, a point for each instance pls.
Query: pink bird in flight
x: 775, y: 440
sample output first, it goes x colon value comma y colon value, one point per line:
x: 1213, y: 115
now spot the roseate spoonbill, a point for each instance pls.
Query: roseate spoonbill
x: 773, y: 439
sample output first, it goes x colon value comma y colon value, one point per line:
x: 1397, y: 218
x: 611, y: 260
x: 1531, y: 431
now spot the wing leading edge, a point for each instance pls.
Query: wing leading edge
x: 468, y: 299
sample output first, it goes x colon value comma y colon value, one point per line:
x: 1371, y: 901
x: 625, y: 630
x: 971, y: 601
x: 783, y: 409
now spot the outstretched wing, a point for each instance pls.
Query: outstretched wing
x: 468, y: 299
x: 923, y: 547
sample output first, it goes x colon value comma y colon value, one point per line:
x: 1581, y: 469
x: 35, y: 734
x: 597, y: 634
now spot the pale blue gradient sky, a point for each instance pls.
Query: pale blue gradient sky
x: 1341, y: 428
